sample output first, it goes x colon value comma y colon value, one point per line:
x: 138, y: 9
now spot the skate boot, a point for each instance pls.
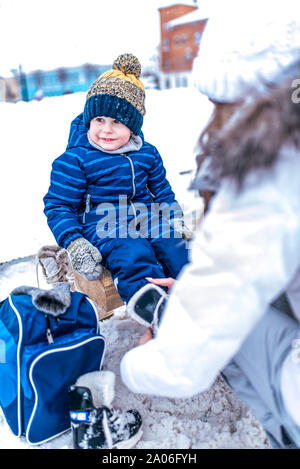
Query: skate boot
x: 146, y: 306
x: 95, y: 425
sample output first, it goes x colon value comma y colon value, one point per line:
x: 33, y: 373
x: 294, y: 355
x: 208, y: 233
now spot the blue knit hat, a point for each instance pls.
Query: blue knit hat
x: 119, y: 94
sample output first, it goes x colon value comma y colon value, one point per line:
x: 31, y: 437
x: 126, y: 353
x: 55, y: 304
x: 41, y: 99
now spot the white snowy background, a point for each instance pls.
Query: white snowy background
x: 32, y: 135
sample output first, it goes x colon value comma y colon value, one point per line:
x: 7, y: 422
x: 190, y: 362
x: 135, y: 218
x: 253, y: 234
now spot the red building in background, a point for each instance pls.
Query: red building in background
x: 181, y: 26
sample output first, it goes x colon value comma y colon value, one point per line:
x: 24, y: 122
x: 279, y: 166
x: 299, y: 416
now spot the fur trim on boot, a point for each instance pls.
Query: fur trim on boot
x: 56, y: 265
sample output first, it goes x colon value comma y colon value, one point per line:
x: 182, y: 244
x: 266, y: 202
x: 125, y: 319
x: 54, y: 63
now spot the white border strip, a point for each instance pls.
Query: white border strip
x: 96, y: 313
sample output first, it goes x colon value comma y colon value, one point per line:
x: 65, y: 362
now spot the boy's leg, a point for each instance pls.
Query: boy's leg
x: 255, y: 375
x: 130, y: 261
x: 172, y: 253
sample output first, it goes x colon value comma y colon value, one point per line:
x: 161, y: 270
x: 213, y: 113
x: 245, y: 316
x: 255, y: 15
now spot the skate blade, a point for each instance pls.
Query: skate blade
x: 131, y: 442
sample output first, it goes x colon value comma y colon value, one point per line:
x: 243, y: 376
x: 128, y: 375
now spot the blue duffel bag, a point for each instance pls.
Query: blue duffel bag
x: 48, y: 338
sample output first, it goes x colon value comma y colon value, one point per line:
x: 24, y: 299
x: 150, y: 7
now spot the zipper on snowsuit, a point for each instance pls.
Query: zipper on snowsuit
x: 87, y: 207
x: 133, y: 185
x: 132, y: 175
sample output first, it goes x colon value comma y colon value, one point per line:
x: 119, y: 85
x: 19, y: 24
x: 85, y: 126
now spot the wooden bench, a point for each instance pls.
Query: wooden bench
x: 103, y: 293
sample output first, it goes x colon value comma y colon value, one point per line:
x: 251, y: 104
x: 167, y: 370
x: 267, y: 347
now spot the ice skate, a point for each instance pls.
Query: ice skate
x: 95, y: 424
x: 147, y: 305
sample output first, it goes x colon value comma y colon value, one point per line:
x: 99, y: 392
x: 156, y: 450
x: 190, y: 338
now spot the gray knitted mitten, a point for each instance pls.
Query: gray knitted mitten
x: 85, y: 258
x: 179, y: 225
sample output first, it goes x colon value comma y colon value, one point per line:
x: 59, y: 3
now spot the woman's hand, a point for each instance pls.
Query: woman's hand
x: 163, y: 282
x: 146, y: 337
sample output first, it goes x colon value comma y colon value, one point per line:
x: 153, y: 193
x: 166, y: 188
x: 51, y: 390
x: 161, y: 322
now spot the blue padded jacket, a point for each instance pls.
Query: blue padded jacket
x: 84, y: 177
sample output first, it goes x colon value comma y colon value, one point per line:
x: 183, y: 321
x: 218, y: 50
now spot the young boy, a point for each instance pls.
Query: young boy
x: 109, y: 201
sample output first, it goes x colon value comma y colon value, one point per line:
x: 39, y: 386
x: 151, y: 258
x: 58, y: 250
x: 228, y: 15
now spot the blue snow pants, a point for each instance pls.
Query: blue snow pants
x: 130, y: 261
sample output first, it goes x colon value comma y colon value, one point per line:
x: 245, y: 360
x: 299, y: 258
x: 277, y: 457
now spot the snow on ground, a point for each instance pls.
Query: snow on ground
x: 33, y: 134
x: 212, y: 419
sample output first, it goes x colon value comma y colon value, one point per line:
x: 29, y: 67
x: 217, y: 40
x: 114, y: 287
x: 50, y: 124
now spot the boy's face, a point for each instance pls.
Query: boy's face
x: 109, y: 133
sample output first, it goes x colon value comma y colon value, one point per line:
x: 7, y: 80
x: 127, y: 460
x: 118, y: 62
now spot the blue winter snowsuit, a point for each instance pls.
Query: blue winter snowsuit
x: 109, y: 199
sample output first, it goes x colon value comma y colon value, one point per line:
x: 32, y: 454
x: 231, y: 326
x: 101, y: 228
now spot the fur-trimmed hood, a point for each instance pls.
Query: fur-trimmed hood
x: 255, y: 133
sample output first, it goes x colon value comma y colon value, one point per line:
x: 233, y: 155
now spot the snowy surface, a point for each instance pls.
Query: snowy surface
x: 33, y: 134
x: 213, y: 419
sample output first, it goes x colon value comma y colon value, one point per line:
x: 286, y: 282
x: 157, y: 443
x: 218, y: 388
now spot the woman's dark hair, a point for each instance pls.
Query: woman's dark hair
x: 241, y: 137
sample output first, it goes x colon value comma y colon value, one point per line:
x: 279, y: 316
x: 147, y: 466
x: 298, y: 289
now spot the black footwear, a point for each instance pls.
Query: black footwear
x: 146, y: 306
x: 101, y: 428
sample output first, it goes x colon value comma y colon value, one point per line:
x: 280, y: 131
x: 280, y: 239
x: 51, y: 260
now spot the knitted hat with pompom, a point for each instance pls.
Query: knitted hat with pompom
x: 119, y: 94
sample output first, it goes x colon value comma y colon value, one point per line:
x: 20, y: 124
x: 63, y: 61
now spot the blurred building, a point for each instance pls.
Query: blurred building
x: 62, y: 80
x: 181, y: 26
x: 9, y: 89
x: 37, y: 84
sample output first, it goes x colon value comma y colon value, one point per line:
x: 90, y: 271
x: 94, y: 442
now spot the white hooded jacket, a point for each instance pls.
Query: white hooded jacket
x: 247, y: 251
x: 244, y: 255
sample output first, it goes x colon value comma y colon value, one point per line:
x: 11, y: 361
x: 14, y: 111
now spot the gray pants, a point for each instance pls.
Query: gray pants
x: 255, y: 373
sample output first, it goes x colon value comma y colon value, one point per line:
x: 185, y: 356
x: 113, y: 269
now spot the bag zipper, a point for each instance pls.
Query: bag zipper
x: 48, y: 330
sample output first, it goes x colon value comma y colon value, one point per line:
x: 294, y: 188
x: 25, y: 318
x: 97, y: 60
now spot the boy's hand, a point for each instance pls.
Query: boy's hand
x: 85, y: 258
x: 179, y: 225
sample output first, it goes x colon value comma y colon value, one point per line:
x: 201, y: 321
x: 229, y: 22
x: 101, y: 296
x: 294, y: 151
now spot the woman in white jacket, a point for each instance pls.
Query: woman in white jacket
x: 247, y: 251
